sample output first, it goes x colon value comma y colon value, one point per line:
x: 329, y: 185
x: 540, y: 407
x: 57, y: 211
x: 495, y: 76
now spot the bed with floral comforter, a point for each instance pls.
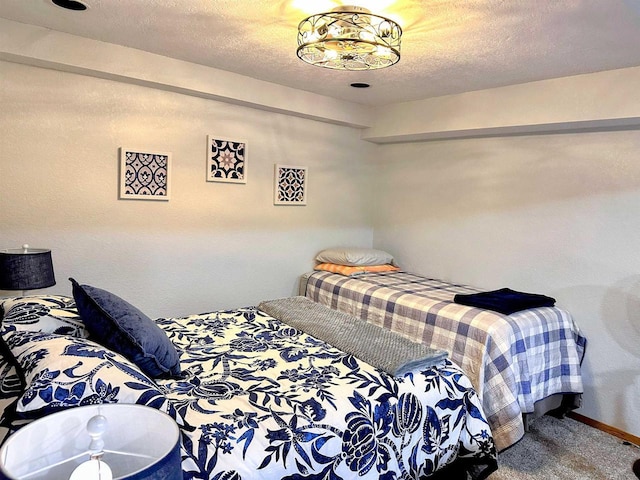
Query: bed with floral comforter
x: 256, y: 398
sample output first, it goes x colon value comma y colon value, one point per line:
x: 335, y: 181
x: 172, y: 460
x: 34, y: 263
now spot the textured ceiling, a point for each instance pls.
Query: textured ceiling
x: 448, y: 46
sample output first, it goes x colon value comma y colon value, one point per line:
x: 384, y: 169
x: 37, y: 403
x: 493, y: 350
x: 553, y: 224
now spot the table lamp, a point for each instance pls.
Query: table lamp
x: 26, y: 268
x: 112, y: 441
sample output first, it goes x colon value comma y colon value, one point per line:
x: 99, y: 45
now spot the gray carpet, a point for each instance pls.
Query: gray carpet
x: 566, y: 449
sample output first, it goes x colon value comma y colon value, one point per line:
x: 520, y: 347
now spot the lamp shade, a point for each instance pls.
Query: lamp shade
x: 26, y: 269
x: 138, y: 442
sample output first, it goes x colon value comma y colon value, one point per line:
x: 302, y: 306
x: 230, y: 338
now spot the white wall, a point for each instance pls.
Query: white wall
x: 557, y: 214
x: 41, y: 47
x: 597, y: 101
x: 213, y: 245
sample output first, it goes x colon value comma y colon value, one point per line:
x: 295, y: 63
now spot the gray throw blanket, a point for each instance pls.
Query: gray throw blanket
x: 377, y: 346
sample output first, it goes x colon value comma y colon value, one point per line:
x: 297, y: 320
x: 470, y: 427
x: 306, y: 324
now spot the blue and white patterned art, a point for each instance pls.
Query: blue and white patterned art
x: 226, y: 160
x: 290, y: 185
x: 144, y: 174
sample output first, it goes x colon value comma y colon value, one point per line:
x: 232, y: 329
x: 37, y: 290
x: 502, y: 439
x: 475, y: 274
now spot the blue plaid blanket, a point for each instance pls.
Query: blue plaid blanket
x: 512, y: 360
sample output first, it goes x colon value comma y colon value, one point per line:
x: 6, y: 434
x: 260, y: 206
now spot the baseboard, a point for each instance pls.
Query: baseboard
x: 616, y: 432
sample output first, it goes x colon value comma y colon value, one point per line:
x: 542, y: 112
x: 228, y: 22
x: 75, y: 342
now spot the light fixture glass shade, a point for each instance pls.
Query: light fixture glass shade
x: 26, y: 269
x: 349, y: 38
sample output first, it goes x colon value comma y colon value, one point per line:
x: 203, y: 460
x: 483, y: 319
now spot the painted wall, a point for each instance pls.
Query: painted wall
x: 534, y: 187
x: 213, y: 245
x: 552, y: 214
x: 591, y: 102
x: 41, y: 47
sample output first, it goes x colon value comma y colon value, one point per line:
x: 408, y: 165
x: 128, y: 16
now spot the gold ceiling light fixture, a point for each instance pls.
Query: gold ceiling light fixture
x: 349, y: 38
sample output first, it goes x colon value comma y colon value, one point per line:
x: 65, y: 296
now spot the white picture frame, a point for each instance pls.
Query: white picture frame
x: 145, y: 174
x: 227, y: 160
x: 290, y: 185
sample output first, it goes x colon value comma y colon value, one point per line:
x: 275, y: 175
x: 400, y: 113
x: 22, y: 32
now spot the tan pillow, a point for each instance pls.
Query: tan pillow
x: 350, y: 271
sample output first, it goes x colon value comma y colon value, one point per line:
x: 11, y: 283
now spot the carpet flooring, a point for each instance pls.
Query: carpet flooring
x: 566, y: 449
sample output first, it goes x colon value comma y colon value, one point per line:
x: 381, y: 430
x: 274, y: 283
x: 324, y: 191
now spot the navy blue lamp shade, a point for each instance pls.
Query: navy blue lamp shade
x: 26, y: 269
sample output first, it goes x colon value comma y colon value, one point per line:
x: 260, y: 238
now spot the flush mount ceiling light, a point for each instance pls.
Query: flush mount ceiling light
x: 349, y: 38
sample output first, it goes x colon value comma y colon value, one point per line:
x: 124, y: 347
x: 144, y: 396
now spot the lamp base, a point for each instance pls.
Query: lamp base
x: 93, y: 469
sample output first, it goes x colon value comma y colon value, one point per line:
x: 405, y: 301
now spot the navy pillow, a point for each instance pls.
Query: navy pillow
x: 123, y: 328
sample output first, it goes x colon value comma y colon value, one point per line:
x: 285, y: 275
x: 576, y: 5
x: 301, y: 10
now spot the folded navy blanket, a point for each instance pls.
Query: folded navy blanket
x: 505, y: 300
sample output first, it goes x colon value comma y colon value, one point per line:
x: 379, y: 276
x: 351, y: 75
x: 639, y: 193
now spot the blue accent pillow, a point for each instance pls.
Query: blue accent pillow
x: 62, y: 372
x: 123, y: 328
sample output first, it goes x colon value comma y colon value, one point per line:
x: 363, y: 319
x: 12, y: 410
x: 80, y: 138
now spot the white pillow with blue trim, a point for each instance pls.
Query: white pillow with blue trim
x: 42, y: 313
x: 62, y: 372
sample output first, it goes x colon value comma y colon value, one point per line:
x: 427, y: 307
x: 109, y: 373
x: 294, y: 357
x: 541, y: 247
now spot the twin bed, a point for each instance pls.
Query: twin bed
x: 526, y: 362
x: 253, y: 396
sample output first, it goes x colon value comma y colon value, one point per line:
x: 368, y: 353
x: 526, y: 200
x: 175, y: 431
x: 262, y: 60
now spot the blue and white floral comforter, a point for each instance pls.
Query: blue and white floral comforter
x: 262, y: 400
x: 259, y: 399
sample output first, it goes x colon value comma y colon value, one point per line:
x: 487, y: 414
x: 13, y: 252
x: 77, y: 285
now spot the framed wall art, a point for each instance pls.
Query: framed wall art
x: 290, y: 185
x: 144, y: 174
x: 226, y: 160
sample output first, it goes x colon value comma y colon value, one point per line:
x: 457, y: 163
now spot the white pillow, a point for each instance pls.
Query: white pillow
x: 354, y: 256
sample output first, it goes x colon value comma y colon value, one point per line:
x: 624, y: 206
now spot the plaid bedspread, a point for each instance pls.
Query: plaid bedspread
x: 513, y: 361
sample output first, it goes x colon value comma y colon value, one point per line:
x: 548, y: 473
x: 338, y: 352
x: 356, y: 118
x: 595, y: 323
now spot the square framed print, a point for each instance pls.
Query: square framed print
x: 226, y: 160
x: 145, y: 174
x: 290, y: 185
